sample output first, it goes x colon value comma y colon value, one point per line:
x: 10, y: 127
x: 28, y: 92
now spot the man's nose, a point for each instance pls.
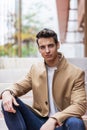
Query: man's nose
x: 47, y: 49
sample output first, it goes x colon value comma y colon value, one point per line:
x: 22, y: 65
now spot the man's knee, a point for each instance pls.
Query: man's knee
x: 75, y: 123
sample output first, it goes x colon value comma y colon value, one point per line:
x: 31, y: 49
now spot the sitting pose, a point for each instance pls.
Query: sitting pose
x: 58, y: 87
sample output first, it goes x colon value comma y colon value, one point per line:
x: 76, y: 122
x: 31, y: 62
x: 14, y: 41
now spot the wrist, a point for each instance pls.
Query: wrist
x: 53, y: 120
x: 5, y: 92
x: 56, y: 122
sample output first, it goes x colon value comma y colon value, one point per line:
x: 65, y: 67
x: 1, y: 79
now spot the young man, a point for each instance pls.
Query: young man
x: 59, y: 98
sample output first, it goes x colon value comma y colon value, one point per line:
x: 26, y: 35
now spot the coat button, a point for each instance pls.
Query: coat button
x: 46, y: 102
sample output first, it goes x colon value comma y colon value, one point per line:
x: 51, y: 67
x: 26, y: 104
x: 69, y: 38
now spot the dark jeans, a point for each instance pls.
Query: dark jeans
x: 26, y: 119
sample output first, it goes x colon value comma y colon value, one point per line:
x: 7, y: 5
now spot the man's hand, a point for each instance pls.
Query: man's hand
x: 8, y: 100
x: 49, y: 125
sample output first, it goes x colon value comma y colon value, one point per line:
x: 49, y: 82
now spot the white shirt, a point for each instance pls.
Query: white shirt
x: 53, y: 108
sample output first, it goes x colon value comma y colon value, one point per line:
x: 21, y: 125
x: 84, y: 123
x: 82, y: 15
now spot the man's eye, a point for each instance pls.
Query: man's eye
x: 42, y: 47
x: 51, y: 45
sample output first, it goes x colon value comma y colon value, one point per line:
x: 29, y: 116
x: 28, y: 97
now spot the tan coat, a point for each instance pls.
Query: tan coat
x: 68, y: 90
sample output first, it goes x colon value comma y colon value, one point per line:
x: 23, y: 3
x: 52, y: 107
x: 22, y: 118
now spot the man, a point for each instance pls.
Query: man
x: 59, y: 98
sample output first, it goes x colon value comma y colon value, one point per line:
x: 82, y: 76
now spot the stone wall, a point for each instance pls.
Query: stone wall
x: 17, y: 67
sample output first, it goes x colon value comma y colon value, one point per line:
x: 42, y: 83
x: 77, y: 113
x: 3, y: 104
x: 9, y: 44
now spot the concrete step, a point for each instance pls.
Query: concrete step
x: 2, y: 124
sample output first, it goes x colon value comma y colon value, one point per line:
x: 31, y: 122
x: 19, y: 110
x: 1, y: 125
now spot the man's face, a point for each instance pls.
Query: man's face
x: 48, y: 48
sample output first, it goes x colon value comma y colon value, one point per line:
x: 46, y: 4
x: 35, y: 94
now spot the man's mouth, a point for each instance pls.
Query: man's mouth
x: 48, y: 56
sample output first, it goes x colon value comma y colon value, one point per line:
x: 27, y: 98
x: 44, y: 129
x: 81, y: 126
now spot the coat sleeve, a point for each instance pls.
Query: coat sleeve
x: 77, y: 106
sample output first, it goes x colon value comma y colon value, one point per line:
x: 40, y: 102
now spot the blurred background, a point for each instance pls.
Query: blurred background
x: 20, y: 20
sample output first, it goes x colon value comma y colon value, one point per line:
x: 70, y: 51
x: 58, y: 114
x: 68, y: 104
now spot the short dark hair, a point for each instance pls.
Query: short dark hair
x: 47, y: 33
